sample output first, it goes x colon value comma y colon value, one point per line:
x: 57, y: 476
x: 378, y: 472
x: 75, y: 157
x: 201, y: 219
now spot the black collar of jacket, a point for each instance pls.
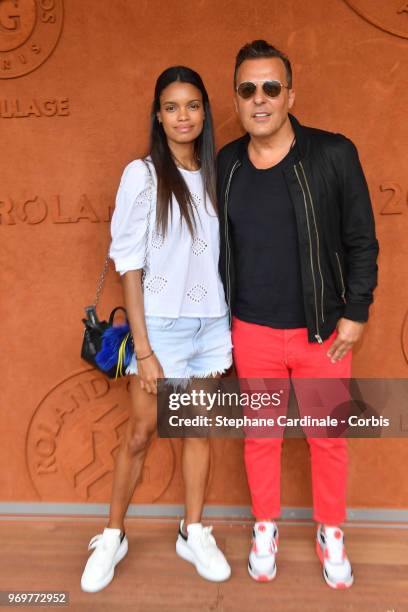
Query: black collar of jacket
x: 302, y: 140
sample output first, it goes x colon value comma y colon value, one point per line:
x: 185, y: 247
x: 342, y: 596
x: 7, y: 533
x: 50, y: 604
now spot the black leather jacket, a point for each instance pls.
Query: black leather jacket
x: 335, y: 223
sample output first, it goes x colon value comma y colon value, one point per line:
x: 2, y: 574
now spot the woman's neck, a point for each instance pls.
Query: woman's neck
x: 183, y: 155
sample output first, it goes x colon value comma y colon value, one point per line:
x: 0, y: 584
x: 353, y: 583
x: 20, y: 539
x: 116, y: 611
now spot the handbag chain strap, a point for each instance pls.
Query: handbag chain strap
x: 101, y: 279
x: 105, y: 268
x: 150, y: 188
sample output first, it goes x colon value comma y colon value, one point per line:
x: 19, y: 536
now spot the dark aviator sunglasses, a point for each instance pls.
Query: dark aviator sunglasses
x: 271, y: 88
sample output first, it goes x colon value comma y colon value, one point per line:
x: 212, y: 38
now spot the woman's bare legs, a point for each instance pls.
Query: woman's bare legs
x: 196, y: 465
x: 132, y: 452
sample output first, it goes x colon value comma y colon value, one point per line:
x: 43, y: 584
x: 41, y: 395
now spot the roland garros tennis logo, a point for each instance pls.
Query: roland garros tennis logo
x: 74, y: 435
x: 29, y: 32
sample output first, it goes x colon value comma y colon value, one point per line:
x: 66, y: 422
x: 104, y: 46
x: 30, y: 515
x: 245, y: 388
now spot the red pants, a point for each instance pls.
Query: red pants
x: 263, y: 352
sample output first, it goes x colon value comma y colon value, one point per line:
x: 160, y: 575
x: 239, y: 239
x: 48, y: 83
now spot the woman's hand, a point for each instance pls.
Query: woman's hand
x: 149, y: 371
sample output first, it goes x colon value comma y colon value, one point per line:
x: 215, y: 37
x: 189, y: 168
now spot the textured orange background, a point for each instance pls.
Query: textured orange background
x: 60, y: 422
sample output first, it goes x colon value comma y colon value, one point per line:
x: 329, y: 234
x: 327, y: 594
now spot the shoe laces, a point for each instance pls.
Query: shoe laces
x: 207, y: 541
x: 94, y: 542
x: 265, y: 542
x: 335, y: 545
x: 99, y: 543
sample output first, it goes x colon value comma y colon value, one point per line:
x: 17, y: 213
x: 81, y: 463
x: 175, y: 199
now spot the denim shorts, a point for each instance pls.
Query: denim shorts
x: 189, y: 347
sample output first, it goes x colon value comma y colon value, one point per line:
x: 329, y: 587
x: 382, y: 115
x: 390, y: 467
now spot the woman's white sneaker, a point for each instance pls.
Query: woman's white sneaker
x: 330, y: 549
x: 262, y: 557
x: 199, y: 548
x: 109, y: 548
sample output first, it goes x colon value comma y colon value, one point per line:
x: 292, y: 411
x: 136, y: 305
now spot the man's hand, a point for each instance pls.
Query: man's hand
x: 348, y: 333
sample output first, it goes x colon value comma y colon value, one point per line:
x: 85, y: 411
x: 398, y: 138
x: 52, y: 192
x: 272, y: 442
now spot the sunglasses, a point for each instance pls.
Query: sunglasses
x: 271, y: 88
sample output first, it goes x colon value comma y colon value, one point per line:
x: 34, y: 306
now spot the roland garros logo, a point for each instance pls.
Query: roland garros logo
x: 29, y: 32
x: 74, y: 435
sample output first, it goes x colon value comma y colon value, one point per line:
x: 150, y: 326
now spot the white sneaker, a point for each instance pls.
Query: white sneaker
x: 199, y: 548
x: 110, y: 548
x: 330, y: 549
x: 262, y: 557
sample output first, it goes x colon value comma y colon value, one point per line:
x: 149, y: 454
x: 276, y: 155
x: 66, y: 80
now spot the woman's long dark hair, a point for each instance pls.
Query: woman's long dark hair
x: 169, y: 180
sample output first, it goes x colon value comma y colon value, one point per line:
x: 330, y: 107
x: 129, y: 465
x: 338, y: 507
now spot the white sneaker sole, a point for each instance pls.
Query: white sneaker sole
x: 338, y: 585
x: 333, y: 585
x: 185, y: 553
x: 262, y: 577
x: 98, y: 586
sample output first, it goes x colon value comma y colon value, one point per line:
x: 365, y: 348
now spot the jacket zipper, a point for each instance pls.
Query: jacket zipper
x: 228, y: 254
x: 317, y: 335
x: 317, y: 236
x: 343, y: 288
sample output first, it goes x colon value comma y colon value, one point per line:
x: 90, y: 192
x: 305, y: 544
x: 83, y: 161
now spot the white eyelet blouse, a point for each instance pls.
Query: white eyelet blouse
x: 181, y: 275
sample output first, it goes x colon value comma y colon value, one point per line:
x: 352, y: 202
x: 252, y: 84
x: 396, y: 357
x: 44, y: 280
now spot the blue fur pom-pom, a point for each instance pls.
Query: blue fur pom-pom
x: 112, y: 338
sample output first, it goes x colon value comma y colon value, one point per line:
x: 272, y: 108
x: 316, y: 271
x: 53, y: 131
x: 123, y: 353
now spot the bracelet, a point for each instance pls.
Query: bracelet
x: 145, y: 357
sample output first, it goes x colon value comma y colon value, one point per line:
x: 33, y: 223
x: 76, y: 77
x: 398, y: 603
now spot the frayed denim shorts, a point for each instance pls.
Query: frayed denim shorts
x: 189, y: 347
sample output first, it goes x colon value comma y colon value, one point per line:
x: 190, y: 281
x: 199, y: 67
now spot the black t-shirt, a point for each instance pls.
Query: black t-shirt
x: 265, y: 241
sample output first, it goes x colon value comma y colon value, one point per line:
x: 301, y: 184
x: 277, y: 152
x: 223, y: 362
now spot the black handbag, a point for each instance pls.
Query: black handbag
x: 108, y: 347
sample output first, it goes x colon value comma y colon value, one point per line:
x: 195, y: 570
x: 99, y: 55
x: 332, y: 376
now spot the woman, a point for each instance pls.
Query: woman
x: 178, y: 316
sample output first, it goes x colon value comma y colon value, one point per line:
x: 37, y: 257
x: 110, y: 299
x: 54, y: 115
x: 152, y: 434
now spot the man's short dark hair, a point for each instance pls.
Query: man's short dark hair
x: 258, y: 49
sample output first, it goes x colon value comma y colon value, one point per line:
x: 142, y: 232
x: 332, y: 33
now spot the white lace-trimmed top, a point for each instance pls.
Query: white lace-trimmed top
x: 182, y: 278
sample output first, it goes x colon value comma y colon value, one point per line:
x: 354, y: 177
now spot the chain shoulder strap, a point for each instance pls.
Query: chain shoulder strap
x: 105, y: 268
x: 150, y: 188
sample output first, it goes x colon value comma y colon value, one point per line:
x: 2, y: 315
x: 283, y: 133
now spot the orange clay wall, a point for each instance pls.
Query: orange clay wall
x: 76, y: 82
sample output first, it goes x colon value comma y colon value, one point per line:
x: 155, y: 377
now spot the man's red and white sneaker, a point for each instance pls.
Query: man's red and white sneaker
x: 330, y: 549
x: 109, y: 548
x: 262, y: 557
x: 199, y: 548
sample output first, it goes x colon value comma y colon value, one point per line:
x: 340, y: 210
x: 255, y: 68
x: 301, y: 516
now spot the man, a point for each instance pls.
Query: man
x: 298, y: 263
